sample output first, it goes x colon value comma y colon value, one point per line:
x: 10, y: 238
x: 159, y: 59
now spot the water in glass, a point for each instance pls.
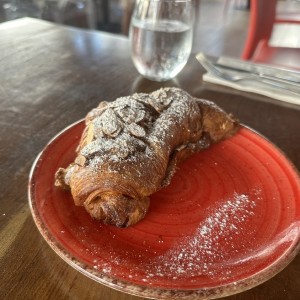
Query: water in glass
x: 160, y: 47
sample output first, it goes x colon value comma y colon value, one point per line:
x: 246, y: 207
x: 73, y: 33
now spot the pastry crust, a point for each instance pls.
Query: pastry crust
x: 131, y: 147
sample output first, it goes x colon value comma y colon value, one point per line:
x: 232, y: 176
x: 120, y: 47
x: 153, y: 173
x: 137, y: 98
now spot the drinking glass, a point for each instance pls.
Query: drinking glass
x: 161, y: 34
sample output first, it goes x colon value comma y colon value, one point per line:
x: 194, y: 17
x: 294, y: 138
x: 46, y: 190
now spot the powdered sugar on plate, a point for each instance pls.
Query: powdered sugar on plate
x: 207, y: 251
x: 211, y: 244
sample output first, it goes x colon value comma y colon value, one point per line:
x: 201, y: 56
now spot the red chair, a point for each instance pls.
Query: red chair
x: 257, y: 48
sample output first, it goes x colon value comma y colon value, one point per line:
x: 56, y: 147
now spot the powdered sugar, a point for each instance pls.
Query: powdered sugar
x: 202, y: 252
x: 208, y: 251
x: 135, y: 124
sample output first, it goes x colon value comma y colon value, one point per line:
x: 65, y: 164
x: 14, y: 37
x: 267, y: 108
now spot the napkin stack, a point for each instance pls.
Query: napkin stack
x: 257, y: 86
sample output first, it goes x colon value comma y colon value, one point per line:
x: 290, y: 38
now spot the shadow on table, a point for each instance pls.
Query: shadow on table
x: 144, y: 85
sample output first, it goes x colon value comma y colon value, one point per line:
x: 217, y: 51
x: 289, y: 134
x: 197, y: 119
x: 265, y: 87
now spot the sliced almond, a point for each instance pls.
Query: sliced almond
x: 136, y: 130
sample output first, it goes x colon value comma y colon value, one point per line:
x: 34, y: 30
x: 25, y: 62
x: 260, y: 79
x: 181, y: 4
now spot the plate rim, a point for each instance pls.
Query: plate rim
x: 157, y: 292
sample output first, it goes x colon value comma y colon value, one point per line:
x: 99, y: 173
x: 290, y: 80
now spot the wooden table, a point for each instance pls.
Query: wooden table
x: 50, y: 77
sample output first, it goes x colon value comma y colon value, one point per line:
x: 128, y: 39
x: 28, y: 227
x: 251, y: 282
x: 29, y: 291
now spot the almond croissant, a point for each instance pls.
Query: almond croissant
x: 130, y: 149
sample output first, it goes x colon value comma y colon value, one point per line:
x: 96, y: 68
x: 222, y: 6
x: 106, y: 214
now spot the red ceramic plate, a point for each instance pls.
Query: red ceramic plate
x: 228, y: 221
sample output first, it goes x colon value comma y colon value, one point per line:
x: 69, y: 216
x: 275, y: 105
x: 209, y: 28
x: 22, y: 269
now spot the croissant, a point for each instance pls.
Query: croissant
x: 131, y: 147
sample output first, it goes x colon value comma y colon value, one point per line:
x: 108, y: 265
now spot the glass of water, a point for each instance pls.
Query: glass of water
x: 161, y: 34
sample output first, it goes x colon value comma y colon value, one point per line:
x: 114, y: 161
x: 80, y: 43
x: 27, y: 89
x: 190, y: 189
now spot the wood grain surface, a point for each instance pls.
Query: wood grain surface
x: 51, y: 76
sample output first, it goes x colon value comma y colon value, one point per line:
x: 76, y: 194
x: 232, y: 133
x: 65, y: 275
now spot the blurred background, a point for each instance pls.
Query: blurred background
x: 217, y: 21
